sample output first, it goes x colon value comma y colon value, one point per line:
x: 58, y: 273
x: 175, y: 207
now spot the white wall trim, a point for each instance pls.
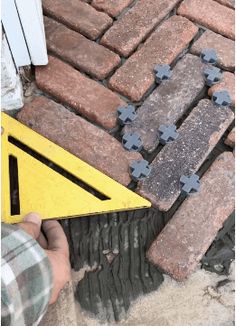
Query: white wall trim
x: 23, y: 24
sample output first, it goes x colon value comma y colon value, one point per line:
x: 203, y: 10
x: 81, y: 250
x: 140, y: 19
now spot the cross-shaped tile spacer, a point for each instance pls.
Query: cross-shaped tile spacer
x: 167, y: 134
x: 163, y: 72
x: 126, y: 115
x: 221, y: 98
x: 132, y: 142
x: 190, y: 184
x: 139, y: 169
x: 212, y: 75
x: 208, y: 56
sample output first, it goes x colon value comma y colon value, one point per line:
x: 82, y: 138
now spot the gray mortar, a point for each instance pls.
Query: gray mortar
x: 108, y: 291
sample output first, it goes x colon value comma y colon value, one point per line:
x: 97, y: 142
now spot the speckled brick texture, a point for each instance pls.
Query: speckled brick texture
x: 79, y: 16
x: 198, y: 135
x: 168, y: 102
x: 228, y: 3
x: 136, y: 75
x: 111, y: 7
x: 81, y: 138
x: 125, y: 35
x: 185, y: 239
x: 223, y: 46
x: 210, y: 14
x: 88, y: 97
x: 87, y: 56
x: 230, y: 140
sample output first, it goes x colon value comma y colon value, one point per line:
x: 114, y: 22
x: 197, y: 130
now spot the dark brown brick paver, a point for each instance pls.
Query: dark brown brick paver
x: 136, y: 76
x: 222, y: 45
x: 126, y: 34
x: 81, y: 138
x: 210, y: 14
x: 88, y: 56
x: 228, y: 3
x: 230, y: 140
x: 198, y: 135
x: 111, y: 7
x: 79, y: 16
x: 227, y: 83
x: 185, y: 239
x: 85, y: 95
x: 169, y: 101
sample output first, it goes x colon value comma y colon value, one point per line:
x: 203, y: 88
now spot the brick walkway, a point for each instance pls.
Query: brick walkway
x: 102, y: 56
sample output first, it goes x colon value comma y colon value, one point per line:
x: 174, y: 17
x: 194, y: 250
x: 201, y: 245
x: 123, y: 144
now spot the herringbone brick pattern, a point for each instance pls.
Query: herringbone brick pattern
x: 102, y: 55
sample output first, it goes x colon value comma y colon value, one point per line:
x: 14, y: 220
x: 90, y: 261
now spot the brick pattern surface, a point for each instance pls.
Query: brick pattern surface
x: 136, y: 76
x: 81, y: 138
x: 125, y: 35
x: 227, y: 83
x: 210, y: 14
x: 169, y: 101
x: 222, y: 45
x: 198, y: 135
x: 88, y: 56
x: 230, y: 140
x: 186, y: 238
x: 87, y: 76
x: 111, y: 7
x: 86, y: 96
x: 79, y: 16
x: 228, y: 3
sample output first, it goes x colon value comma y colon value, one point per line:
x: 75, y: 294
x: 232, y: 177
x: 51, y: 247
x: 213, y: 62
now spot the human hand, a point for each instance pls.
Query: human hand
x: 55, y: 245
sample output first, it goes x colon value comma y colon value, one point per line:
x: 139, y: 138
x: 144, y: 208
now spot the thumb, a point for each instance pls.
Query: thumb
x: 31, y: 224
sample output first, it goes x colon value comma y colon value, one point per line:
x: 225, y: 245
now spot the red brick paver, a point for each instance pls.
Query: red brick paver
x: 79, y: 137
x: 136, y: 76
x: 186, y: 238
x: 230, y: 140
x: 223, y: 46
x: 227, y: 83
x: 198, y: 135
x: 169, y: 101
x: 86, y: 55
x: 79, y: 16
x: 210, y: 14
x: 85, y: 95
x: 111, y: 7
x: 126, y: 34
x: 228, y: 3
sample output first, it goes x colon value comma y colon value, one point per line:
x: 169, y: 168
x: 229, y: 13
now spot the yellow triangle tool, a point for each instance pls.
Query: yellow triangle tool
x: 40, y: 176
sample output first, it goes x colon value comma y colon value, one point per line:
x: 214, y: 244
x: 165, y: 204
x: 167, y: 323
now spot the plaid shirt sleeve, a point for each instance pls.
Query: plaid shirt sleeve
x: 26, y: 274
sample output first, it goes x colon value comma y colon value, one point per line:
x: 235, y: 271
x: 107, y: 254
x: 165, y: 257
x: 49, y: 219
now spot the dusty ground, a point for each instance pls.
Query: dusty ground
x: 203, y: 300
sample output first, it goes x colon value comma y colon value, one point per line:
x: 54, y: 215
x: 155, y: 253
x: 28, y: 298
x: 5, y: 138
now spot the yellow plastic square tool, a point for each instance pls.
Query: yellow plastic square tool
x: 40, y: 176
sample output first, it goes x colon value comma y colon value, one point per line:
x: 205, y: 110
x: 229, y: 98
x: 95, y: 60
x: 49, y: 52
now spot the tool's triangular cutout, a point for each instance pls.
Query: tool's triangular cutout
x: 38, y: 175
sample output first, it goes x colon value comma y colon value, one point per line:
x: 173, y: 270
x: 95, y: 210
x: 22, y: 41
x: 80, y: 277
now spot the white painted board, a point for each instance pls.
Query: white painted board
x: 31, y: 19
x: 14, y: 33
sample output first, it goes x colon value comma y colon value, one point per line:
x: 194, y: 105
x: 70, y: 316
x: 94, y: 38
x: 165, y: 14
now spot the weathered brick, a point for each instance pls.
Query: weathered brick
x: 86, y: 55
x: 223, y: 46
x: 180, y: 246
x: 198, y: 135
x: 85, y: 95
x: 227, y: 83
x: 210, y: 14
x: 136, y: 76
x: 79, y: 16
x: 230, y: 140
x: 78, y: 136
x: 228, y: 3
x: 169, y: 101
x: 111, y: 7
x: 126, y: 34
